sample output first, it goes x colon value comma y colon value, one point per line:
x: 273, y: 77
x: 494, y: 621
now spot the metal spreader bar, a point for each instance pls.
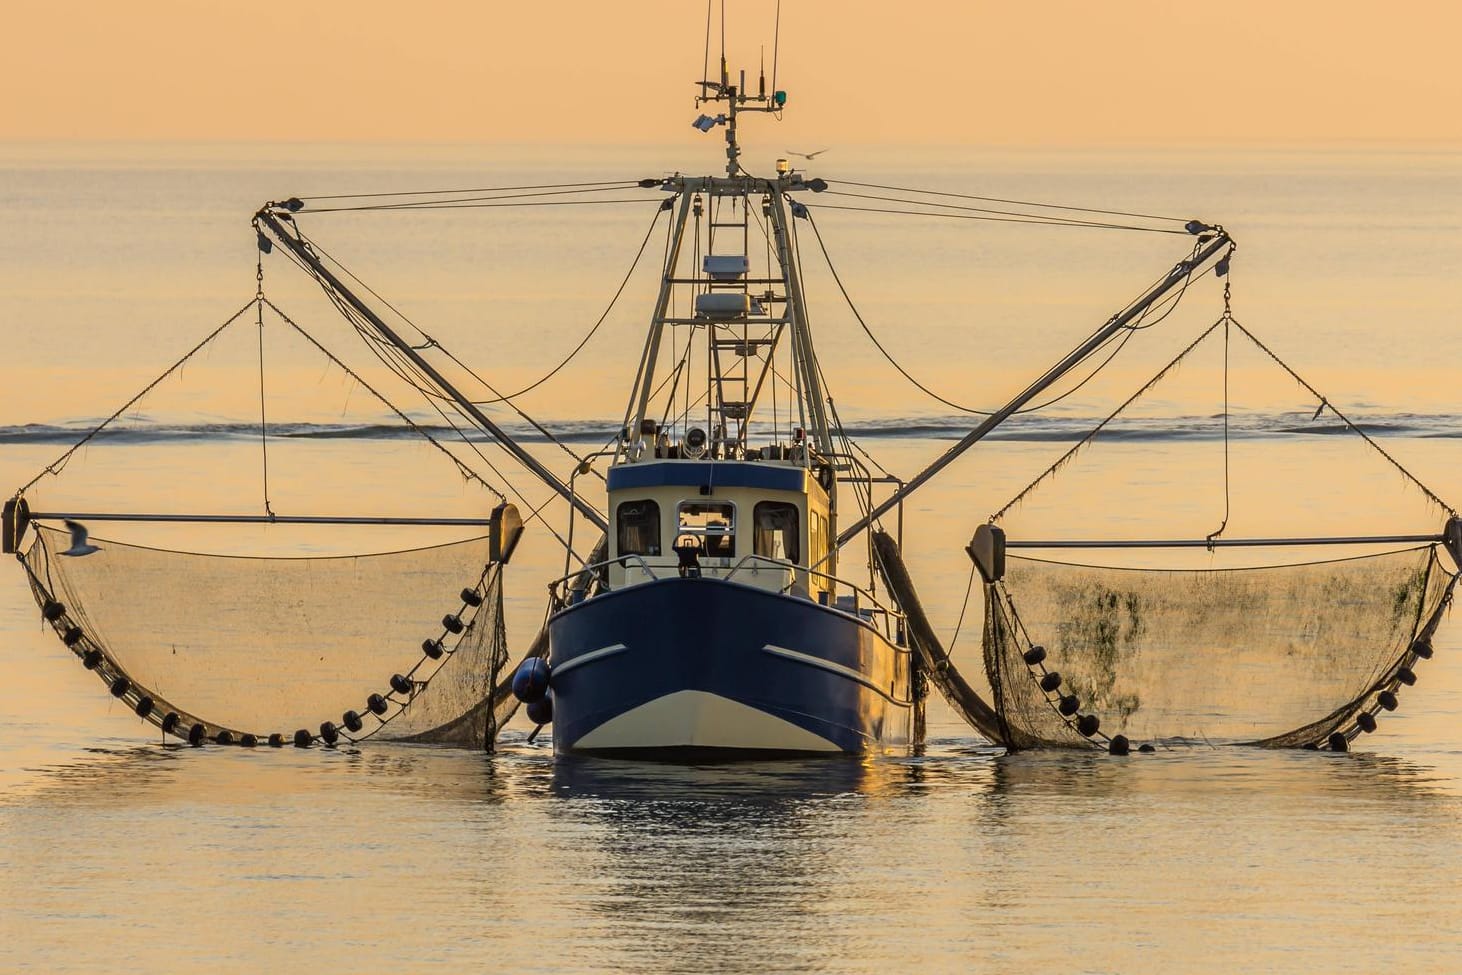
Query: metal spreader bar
x: 85, y: 516
x: 1226, y: 542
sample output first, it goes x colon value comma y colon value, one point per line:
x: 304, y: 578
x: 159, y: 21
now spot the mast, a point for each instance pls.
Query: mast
x: 743, y: 338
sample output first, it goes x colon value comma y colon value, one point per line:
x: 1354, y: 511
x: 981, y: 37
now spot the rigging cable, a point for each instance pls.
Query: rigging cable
x: 450, y: 205
x: 1172, y: 304
x: 582, y: 342
x: 466, y: 471
x: 59, y: 463
x: 418, y: 428
x: 1326, y: 404
x: 1091, y: 435
x: 1039, y: 218
x: 530, y: 196
x: 422, y: 383
x: 996, y: 199
x: 1029, y: 219
x: 351, y: 316
x: 1227, y: 320
x: 263, y: 420
x: 475, y: 189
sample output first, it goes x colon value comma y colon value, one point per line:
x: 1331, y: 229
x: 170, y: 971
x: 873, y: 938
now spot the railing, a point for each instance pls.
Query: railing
x: 561, y: 592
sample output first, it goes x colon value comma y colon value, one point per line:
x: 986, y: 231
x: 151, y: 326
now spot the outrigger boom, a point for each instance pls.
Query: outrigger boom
x: 1182, y: 272
x: 269, y: 217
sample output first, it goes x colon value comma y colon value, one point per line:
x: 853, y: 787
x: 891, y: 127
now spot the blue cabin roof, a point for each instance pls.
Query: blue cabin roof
x: 773, y: 477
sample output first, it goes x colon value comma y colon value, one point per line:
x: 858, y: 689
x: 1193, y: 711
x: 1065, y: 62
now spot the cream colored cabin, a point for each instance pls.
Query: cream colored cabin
x: 763, y: 523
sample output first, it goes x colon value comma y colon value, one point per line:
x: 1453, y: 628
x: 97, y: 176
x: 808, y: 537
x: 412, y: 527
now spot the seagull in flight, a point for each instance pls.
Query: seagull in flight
x: 79, y: 544
x: 809, y: 156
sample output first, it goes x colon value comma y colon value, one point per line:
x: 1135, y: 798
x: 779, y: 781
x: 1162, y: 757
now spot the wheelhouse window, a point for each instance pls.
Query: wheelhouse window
x: 776, y: 532
x: 712, y: 523
x: 639, y: 528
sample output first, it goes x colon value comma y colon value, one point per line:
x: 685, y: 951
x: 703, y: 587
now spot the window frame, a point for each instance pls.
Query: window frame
x: 702, y: 533
x: 795, y: 549
x: 658, y: 522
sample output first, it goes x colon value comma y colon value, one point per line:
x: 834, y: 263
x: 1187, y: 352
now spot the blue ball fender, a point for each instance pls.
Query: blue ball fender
x: 531, y: 680
x: 540, y: 712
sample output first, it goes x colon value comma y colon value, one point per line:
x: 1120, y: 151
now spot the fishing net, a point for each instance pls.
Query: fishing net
x: 1287, y: 656
x: 405, y: 645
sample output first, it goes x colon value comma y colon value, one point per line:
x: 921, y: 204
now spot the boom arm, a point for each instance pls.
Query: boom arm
x: 269, y: 219
x: 1180, y: 273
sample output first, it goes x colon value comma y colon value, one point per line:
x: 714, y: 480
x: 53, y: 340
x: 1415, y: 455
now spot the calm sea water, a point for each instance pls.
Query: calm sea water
x: 117, y: 854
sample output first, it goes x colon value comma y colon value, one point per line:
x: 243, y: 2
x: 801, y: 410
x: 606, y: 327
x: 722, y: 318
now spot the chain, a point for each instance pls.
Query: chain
x: 263, y: 418
x: 1227, y: 319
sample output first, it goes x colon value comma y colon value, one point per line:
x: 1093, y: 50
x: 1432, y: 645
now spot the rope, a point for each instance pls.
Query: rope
x: 583, y: 342
x: 1033, y: 219
x: 996, y: 199
x: 56, y: 465
x: 396, y: 361
x: 466, y: 471
x: 1326, y: 404
x: 1134, y: 327
x: 1037, y: 218
x: 263, y: 418
x: 475, y: 189
x: 1090, y: 436
x: 964, y: 606
x: 452, y: 205
x: 1227, y: 320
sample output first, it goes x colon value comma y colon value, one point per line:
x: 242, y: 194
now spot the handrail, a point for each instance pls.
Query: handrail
x: 779, y: 563
x: 639, y: 561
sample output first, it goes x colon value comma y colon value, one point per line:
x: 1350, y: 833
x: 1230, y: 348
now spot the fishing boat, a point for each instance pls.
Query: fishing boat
x: 717, y: 614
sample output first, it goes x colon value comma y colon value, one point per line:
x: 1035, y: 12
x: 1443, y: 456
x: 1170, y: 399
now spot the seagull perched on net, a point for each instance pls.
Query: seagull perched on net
x: 79, y: 544
x: 809, y: 156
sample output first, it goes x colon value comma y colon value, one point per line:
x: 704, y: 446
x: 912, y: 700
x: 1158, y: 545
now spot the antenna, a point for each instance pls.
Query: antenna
x: 776, y: 43
x: 736, y: 97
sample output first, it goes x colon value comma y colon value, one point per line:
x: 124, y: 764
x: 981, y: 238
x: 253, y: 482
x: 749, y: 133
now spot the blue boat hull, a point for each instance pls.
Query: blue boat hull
x: 709, y: 666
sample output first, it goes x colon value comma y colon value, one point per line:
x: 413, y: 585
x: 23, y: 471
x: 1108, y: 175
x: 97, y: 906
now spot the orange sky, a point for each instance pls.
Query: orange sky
x: 1053, y: 72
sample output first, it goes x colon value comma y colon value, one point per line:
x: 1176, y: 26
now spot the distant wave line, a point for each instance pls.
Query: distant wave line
x: 1030, y: 429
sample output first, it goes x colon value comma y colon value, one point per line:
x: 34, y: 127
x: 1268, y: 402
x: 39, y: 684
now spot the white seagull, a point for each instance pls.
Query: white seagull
x: 79, y: 544
x: 809, y: 156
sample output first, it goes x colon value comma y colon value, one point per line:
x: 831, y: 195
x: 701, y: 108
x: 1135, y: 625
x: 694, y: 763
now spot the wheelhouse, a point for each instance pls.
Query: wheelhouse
x: 765, y: 523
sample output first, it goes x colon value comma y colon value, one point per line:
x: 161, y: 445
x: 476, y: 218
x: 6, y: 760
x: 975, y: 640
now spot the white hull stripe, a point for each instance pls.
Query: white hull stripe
x: 590, y: 657
x: 832, y: 668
